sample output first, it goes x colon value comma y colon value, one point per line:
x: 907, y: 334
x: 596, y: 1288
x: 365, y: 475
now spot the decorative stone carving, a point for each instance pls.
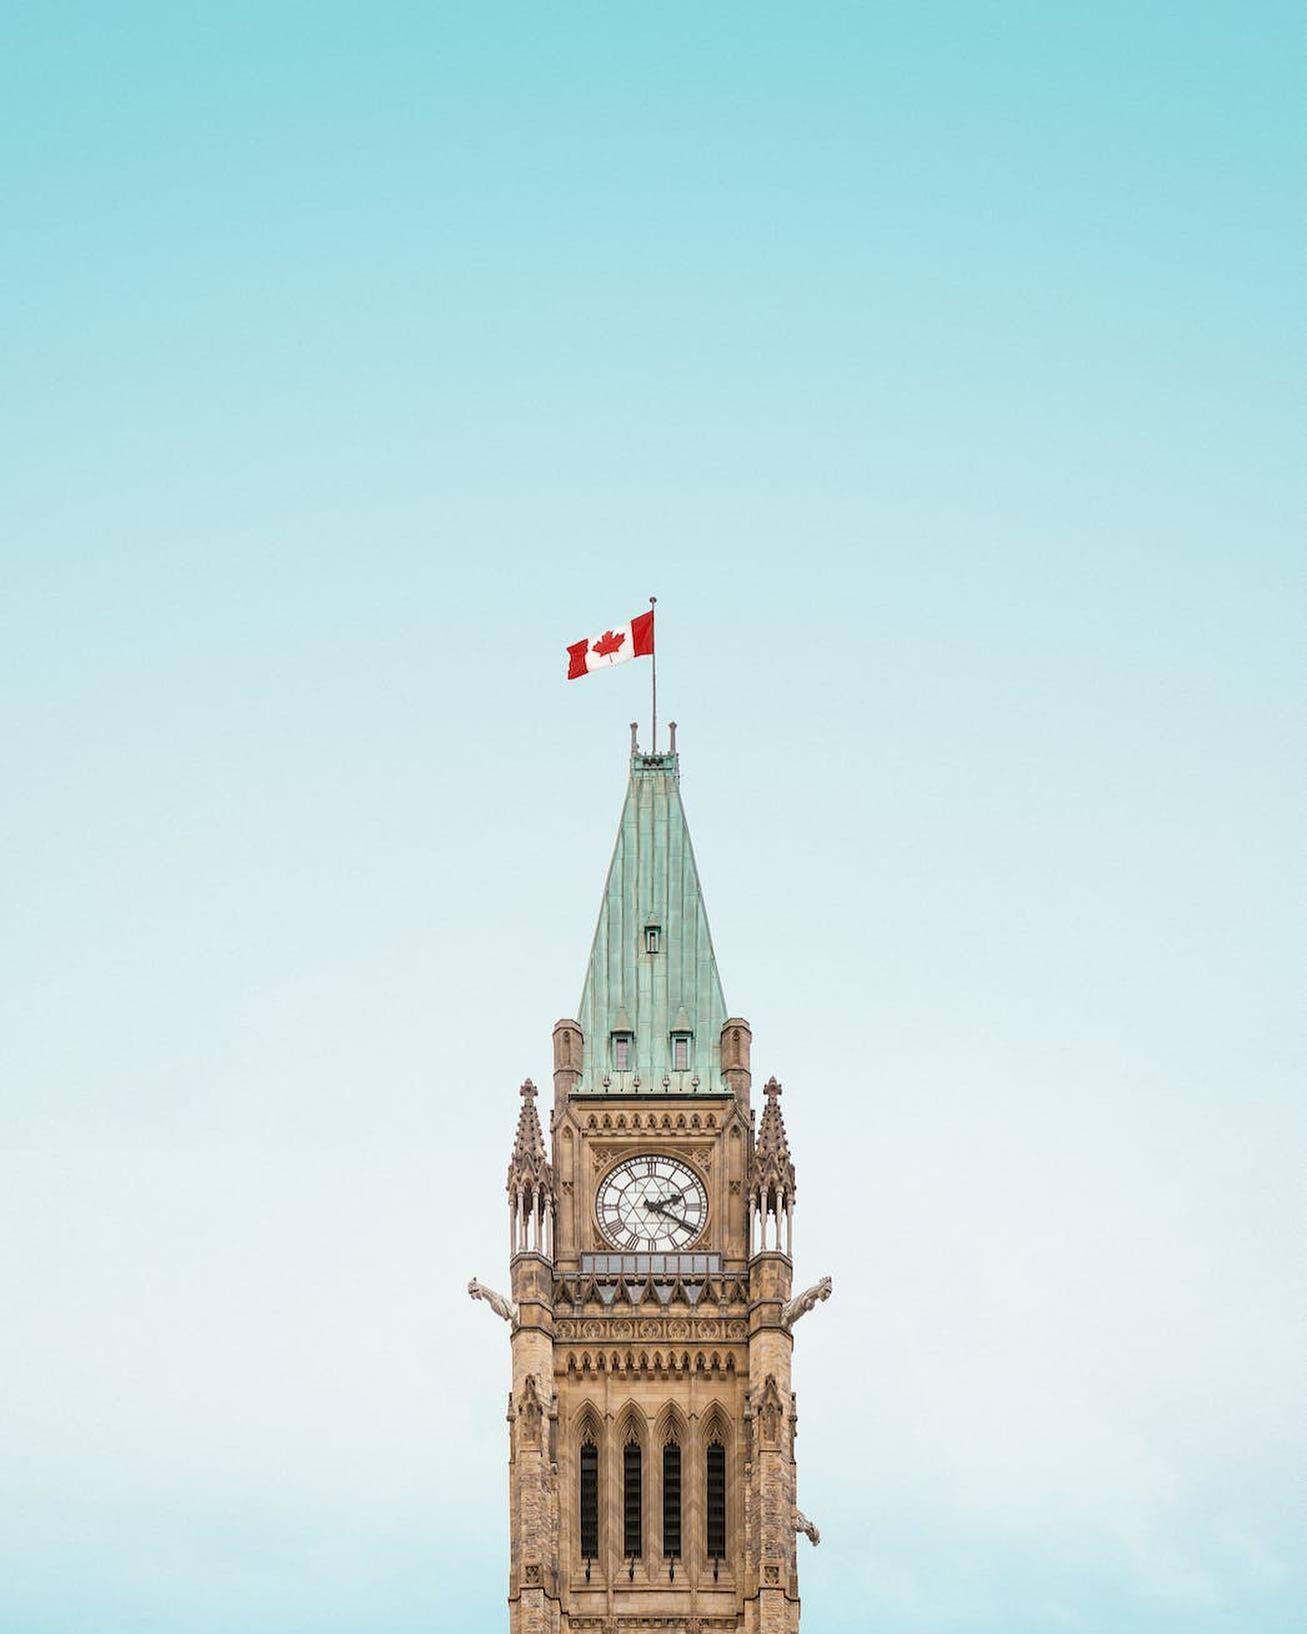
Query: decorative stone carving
x: 804, y: 1525
x: 497, y: 1303
x: 808, y: 1300
x: 771, y: 1412
x: 531, y: 1412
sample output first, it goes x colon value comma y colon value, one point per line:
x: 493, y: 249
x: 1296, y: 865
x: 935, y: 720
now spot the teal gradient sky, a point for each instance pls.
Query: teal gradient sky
x: 940, y: 367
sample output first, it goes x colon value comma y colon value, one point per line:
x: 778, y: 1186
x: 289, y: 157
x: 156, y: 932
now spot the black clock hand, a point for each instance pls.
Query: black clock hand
x: 676, y: 1219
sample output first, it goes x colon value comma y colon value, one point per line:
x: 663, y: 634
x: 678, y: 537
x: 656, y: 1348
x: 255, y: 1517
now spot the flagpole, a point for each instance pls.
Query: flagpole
x: 653, y: 730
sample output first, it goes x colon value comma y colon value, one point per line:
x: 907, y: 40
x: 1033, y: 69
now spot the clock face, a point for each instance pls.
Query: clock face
x: 651, y: 1204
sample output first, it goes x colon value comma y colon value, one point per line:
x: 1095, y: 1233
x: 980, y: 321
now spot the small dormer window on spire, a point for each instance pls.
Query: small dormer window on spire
x: 680, y: 1052
x: 621, y: 1052
x: 652, y: 938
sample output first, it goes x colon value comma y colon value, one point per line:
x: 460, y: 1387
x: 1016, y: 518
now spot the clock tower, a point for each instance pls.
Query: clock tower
x: 651, y: 1419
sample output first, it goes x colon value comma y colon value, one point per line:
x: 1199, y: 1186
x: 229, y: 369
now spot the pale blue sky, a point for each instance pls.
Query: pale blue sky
x: 940, y: 368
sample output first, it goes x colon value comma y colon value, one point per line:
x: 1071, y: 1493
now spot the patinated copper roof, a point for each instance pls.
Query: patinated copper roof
x: 652, y: 970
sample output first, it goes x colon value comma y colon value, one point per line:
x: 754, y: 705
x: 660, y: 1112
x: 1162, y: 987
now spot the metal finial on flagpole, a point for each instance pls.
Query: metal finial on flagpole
x: 653, y: 727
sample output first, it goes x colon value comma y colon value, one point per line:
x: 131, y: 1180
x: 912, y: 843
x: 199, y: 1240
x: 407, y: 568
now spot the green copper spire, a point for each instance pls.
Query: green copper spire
x: 652, y: 1008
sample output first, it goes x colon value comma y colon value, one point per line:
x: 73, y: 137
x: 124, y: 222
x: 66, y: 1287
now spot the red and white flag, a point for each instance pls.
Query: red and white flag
x: 615, y: 646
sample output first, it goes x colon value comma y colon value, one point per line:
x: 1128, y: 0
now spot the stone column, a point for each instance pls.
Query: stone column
x: 772, y: 1568
x: 533, y: 1578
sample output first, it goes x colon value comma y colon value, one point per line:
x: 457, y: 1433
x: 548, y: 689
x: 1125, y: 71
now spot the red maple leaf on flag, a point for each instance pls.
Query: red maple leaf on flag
x: 607, y: 642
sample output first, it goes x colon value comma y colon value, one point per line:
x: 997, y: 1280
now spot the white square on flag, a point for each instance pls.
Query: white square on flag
x: 614, y: 646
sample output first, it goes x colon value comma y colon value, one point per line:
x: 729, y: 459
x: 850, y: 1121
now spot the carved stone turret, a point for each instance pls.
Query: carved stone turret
x: 771, y: 1181
x: 530, y: 1184
x: 737, y: 1044
x: 569, y: 1049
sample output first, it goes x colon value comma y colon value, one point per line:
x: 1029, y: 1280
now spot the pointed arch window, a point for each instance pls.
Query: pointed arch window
x: 672, y: 1500
x: 715, y: 1494
x: 632, y: 1500
x: 589, y: 1485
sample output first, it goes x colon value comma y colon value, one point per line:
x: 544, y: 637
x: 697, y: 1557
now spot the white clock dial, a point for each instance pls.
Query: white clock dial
x: 651, y: 1204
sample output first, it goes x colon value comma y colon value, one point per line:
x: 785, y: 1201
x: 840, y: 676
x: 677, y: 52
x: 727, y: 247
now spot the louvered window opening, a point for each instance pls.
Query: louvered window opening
x: 716, y: 1506
x: 589, y: 1500
x: 672, y: 1500
x: 632, y: 1502
x: 680, y: 1052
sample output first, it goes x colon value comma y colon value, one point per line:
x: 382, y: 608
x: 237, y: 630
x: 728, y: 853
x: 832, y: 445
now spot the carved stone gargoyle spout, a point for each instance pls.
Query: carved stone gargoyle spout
x: 802, y: 1303
x: 497, y: 1303
x: 804, y: 1525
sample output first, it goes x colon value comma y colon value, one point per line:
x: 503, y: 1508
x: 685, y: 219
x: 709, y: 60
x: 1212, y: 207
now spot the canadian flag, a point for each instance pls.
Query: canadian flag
x: 615, y: 646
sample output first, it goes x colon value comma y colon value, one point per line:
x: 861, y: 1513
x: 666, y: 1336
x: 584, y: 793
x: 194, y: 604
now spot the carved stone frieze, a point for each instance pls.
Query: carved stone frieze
x: 638, y: 1625
x: 662, y: 1328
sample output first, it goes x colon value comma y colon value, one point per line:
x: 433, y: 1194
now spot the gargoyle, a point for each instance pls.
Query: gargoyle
x: 804, y: 1525
x: 806, y: 1301
x: 497, y: 1303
